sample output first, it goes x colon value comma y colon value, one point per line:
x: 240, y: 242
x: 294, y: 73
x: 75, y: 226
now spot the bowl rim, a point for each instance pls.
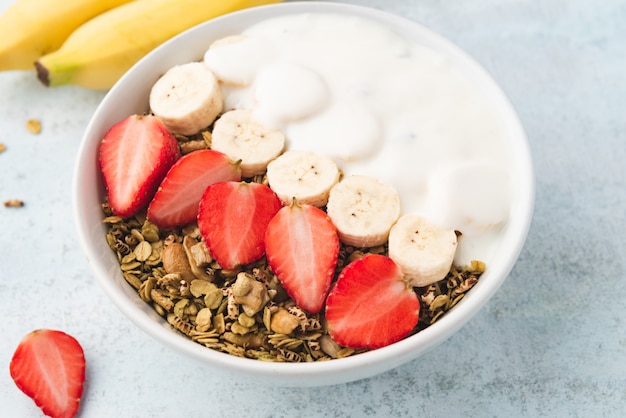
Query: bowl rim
x: 318, y: 373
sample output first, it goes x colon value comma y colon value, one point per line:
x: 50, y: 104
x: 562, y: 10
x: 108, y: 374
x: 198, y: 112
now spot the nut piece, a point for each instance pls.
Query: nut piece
x: 33, y: 126
x: 200, y: 253
x: 175, y: 261
x: 250, y: 294
x: 196, y: 258
x: 283, y: 322
x: 329, y: 346
x: 243, y: 285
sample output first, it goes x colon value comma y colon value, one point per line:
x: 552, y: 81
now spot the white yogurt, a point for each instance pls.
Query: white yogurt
x: 286, y: 92
x: 381, y: 106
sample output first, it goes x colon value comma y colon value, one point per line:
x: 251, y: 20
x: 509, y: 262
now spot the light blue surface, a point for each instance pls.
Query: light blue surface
x: 552, y: 342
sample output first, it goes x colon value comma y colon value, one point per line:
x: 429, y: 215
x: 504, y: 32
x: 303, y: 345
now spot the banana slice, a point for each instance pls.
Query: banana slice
x: 239, y: 136
x: 303, y: 175
x: 363, y: 210
x: 423, y: 251
x: 187, y: 98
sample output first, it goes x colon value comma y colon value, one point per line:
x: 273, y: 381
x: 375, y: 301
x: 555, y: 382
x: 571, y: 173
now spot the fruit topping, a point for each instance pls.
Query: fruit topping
x: 49, y: 367
x: 302, y: 247
x: 237, y: 134
x: 371, y: 305
x: 187, y: 98
x: 134, y: 156
x: 363, y: 209
x: 423, y: 251
x: 233, y: 218
x: 178, y: 197
x: 304, y: 175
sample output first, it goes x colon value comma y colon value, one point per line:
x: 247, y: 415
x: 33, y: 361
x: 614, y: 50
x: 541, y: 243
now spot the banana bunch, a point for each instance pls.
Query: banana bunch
x: 33, y: 28
x: 91, y: 43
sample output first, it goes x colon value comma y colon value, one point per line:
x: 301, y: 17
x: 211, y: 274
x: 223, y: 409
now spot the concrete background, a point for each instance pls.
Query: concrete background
x: 552, y: 342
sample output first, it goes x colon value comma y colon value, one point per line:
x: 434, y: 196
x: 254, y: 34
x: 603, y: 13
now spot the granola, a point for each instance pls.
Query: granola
x: 246, y: 312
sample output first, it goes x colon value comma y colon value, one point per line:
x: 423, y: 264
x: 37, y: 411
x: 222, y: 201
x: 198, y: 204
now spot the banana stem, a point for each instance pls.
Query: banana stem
x: 52, y: 71
x: 42, y: 74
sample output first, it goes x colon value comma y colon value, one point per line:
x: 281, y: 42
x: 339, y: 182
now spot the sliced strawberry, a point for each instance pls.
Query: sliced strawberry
x: 302, y: 247
x: 49, y: 367
x: 177, y: 198
x: 233, y: 217
x: 134, y: 156
x: 371, y: 305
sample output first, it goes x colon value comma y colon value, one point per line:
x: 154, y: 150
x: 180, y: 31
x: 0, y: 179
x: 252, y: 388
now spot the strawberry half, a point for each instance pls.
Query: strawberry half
x: 233, y: 218
x: 371, y: 305
x: 49, y: 367
x: 134, y: 156
x: 178, y: 197
x: 302, y: 247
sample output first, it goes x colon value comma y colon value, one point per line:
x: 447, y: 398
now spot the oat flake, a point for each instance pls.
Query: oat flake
x: 33, y: 126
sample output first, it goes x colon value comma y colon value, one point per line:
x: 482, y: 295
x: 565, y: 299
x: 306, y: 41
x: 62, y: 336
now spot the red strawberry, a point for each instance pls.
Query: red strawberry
x: 302, y: 246
x: 233, y: 217
x: 371, y: 305
x: 134, y: 156
x: 49, y: 366
x: 177, y: 198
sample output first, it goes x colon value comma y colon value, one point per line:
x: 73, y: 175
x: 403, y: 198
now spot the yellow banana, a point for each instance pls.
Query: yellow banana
x: 32, y: 28
x: 98, y: 53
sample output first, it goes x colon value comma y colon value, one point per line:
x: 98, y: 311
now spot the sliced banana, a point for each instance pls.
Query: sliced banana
x: 423, y: 251
x: 363, y: 209
x: 187, y: 98
x: 303, y: 175
x: 239, y: 136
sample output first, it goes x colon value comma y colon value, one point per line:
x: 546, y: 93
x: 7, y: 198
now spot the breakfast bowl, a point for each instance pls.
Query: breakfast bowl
x: 501, y: 244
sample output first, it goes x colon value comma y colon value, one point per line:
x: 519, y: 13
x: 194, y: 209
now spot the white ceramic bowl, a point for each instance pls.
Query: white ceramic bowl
x: 129, y: 96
